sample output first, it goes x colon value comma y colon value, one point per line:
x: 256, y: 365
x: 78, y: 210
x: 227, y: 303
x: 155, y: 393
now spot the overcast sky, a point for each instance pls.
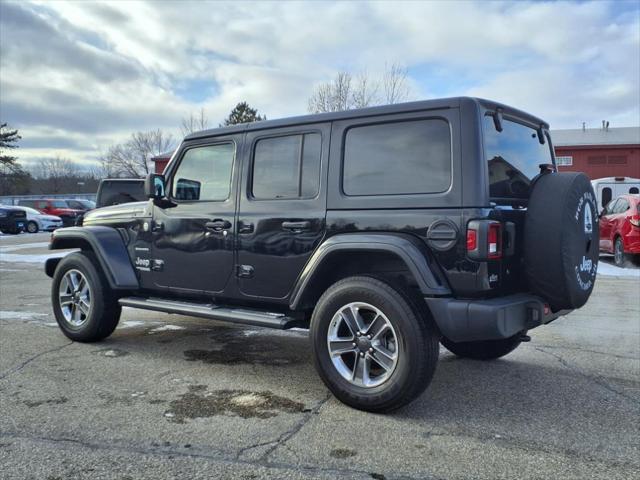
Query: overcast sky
x: 78, y: 76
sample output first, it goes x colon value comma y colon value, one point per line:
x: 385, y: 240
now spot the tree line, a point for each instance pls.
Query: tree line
x: 132, y: 157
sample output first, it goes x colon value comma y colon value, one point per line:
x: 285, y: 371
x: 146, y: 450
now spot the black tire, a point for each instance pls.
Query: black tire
x: 32, y: 227
x: 561, y: 239
x: 483, y: 350
x: 417, y: 344
x: 104, y: 311
x: 619, y: 257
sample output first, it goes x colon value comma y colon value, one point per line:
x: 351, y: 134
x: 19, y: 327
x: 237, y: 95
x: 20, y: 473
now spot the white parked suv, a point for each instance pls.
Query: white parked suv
x: 37, y: 221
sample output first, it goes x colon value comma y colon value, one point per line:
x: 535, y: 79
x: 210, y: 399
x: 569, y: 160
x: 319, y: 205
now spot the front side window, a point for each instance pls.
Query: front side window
x: 286, y: 167
x: 514, y: 156
x: 401, y: 158
x: 204, y: 173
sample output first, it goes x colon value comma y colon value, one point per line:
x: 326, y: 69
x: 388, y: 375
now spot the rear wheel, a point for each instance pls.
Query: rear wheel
x: 84, y: 305
x: 483, y: 350
x: 373, y: 348
x: 32, y: 227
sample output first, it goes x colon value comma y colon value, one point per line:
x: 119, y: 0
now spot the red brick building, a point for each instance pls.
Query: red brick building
x: 599, y: 152
x: 161, y: 161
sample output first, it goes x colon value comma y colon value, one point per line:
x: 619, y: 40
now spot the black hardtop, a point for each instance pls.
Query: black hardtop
x: 408, y: 107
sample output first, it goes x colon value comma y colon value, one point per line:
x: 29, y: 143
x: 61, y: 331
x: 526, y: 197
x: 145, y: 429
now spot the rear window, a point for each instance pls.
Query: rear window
x: 400, y: 158
x: 514, y: 157
x: 117, y: 192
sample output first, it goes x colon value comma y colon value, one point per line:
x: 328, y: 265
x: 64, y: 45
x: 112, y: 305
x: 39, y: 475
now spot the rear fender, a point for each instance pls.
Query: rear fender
x: 413, y: 253
x: 109, y: 248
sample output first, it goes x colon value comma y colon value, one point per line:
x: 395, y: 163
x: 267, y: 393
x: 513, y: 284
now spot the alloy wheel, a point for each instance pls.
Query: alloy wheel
x: 363, y: 345
x: 74, y: 296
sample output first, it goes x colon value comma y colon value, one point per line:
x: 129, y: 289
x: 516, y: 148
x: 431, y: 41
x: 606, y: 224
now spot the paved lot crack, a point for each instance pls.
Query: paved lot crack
x: 586, y: 350
x: 286, y: 436
x: 219, y: 456
x: 20, y: 366
x: 593, y: 378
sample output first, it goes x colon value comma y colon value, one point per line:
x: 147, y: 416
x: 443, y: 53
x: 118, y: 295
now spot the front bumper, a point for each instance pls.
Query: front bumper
x: 631, y: 241
x: 490, y: 319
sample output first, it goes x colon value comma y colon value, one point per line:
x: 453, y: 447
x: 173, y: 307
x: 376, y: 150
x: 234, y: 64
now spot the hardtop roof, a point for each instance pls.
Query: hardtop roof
x: 441, y: 103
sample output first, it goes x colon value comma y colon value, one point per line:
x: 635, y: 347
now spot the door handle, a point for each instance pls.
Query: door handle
x: 218, y: 225
x: 297, y: 226
x: 245, y: 227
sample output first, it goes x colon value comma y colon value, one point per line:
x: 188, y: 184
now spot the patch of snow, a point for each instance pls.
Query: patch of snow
x: 166, y: 328
x: 130, y: 324
x: 13, y: 315
x: 609, y: 270
x: 23, y: 246
x: 17, y: 258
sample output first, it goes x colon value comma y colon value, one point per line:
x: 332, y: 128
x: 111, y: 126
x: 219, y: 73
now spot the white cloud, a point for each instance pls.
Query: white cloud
x: 85, y: 74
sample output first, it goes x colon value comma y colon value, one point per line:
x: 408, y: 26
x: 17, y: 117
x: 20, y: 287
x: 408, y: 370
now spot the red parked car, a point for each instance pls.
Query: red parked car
x: 620, y: 228
x: 52, y: 206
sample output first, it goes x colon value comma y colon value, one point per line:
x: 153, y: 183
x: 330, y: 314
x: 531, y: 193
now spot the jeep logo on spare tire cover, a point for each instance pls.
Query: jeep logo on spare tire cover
x: 561, y: 240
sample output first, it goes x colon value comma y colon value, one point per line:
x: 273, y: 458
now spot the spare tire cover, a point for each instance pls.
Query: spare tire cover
x: 561, y: 239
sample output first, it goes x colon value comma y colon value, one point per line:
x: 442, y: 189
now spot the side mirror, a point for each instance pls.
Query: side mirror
x: 154, y: 186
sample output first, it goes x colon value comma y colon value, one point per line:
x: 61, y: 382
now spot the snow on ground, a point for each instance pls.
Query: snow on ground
x: 7, y: 253
x: 609, y: 270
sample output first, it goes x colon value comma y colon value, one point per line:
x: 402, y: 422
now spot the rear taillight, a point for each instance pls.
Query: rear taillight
x: 472, y: 240
x: 494, y: 240
x: 635, y: 220
x: 484, y: 240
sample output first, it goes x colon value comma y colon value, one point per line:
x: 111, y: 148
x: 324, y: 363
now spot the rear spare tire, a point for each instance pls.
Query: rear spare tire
x: 561, y: 239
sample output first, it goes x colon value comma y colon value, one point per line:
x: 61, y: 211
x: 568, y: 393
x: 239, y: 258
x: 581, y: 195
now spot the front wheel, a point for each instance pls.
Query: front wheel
x: 483, y: 350
x: 84, y: 305
x: 32, y: 227
x: 373, y: 347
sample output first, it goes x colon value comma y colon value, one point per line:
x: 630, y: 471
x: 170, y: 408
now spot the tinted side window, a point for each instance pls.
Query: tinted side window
x: 204, y: 173
x: 410, y: 157
x: 286, y: 167
x: 633, y: 190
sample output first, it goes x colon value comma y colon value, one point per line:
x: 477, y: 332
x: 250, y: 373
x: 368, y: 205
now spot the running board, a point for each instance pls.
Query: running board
x: 214, y: 312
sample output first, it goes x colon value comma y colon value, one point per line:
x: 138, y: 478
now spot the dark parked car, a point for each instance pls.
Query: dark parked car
x: 81, y: 204
x: 12, y: 220
x: 620, y: 229
x: 385, y: 231
x: 114, y: 191
x: 53, y: 206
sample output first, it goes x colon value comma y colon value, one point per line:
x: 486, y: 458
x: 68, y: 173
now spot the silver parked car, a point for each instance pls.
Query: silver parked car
x: 37, y: 221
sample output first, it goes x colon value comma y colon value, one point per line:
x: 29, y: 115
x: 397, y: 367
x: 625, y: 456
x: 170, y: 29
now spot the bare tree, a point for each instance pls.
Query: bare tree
x: 132, y: 158
x: 365, y: 91
x: 57, y: 170
x: 345, y: 92
x: 394, y: 82
x: 332, y: 96
x: 194, y: 123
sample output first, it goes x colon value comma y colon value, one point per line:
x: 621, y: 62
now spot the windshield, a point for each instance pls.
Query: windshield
x: 31, y: 211
x: 514, y: 156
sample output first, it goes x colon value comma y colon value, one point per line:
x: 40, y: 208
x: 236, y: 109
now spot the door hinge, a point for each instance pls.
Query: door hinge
x: 244, y: 271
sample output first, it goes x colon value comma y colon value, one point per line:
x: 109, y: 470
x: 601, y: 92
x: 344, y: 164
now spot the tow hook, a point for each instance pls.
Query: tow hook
x: 525, y: 338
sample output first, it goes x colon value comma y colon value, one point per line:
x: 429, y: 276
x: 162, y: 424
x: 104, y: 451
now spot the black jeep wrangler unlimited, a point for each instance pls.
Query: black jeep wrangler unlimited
x: 385, y: 231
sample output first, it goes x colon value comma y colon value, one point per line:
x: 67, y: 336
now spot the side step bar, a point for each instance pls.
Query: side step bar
x: 214, y: 312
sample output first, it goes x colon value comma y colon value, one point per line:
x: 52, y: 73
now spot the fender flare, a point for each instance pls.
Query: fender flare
x: 109, y: 248
x: 414, y: 253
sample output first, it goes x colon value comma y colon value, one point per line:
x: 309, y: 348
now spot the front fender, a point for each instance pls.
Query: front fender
x: 108, y: 246
x: 411, y: 251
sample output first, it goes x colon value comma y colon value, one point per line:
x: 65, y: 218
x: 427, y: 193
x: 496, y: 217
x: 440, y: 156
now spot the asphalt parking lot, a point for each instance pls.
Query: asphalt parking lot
x: 168, y: 396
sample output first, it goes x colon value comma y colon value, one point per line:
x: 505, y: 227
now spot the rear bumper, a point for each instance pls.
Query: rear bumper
x: 490, y: 319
